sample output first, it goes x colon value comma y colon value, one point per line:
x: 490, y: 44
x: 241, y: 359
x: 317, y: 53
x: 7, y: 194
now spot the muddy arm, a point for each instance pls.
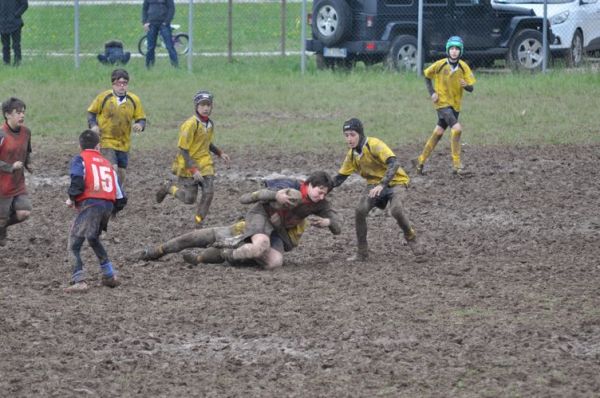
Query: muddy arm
x: 262, y: 195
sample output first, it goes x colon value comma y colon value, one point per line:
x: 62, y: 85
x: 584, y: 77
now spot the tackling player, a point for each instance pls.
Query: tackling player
x: 273, y: 225
x: 373, y: 160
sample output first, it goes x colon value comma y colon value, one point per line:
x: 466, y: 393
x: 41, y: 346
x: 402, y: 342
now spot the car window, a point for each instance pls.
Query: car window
x: 436, y: 2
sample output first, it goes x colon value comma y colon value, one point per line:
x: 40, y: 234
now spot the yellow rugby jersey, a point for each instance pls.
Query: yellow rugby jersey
x: 115, y: 119
x: 371, y: 163
x: 195, y: 137
x: 447, y: 82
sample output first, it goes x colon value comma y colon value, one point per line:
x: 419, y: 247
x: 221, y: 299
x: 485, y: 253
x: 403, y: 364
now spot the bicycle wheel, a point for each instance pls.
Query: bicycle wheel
x: 143, y: 45
x: 181, y: 43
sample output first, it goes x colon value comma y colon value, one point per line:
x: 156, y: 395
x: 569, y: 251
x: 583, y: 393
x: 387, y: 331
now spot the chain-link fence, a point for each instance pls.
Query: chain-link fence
x: 211, y: 27
x: 339, y: 33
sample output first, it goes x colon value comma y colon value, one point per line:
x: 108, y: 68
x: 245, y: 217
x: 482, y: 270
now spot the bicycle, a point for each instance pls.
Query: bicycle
x: 180, y: 42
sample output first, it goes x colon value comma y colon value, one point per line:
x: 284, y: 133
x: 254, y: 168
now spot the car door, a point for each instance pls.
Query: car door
x: 474, y: 22
x: 438, y: 24
x: 589, y: 14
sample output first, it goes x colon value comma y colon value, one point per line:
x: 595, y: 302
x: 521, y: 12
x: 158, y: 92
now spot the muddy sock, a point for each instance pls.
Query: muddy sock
x: 211, y: 255
x: 107, y: 269
x: 455, y: 149
x: 410, y: 234
x: 429, y: 147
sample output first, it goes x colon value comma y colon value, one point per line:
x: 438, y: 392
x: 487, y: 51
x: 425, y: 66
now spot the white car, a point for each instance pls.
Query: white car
x: 575, y: 24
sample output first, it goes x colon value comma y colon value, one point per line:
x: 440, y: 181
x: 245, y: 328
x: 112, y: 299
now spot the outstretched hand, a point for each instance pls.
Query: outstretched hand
x: 225, y: 158
x: 375, y: 191
x: 283, y: 198
x: 319, y: 222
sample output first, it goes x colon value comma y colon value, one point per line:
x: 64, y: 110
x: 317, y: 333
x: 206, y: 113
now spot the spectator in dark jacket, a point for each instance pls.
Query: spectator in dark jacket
x: 156, y: 18
x: 10, y: 27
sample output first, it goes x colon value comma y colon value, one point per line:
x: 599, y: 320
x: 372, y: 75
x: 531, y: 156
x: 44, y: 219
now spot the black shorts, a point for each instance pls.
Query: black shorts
x: 447, y: 117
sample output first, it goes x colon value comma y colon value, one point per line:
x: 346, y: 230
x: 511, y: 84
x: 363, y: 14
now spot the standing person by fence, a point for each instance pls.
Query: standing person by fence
x: 156, y: 18
x: 11, y: 24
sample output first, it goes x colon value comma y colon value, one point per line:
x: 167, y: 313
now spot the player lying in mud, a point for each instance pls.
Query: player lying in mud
x: 273, y: 225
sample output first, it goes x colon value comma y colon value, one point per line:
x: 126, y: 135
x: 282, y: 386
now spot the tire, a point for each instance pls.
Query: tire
x: 526, y: 51
x: 574, y: 55
x: 143, y: 45
x: 332, y: 21
x: 403, y: 54
x: 182, y: 43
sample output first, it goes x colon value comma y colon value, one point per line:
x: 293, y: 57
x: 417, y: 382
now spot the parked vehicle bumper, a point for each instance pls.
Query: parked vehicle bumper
x: 354, y: 48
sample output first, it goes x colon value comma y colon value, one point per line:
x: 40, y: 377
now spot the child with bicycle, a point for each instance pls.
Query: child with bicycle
x: 193, y: 165
x: 156, y: 18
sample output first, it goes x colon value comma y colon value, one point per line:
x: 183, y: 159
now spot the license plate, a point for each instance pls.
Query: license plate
x: 335, y: 52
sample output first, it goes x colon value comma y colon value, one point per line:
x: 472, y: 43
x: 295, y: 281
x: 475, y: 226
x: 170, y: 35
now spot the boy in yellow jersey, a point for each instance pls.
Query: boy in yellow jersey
x: 194, y: 164
x: 112, y: 115
x: 450, y: 77
x: 373, y: 160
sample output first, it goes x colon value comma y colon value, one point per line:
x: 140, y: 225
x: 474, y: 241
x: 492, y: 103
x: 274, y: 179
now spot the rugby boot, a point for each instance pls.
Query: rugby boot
x: 211, y: 255
x: 361, y: 255
x: 415, y: 246
x: 162, y: 192
x: 417, y: 166
x: 151, y: 253
x: 2, y: 236
x: 79, y: 287
x: 110, y: 281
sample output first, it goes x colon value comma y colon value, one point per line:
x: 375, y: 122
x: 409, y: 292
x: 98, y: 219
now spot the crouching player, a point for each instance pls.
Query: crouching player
x: 273, y: 225
x: 95, y: 193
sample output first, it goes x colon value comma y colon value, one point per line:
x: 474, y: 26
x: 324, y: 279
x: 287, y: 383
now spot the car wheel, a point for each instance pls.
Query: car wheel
x: 527, y: 51
x: 403, y: 54
x: 574, y: 54
x: 332, y: 20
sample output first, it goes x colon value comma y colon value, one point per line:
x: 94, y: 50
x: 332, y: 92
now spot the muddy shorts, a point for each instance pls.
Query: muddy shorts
x: 9, y: 206
x: 381, y: 201
x: 258, y: 221
x: 447, y: 117
x: 120, y: 158
x: 92, y: 219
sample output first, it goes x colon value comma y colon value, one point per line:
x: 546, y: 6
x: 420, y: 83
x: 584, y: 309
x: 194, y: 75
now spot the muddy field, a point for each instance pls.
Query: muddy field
x: 508, y: 303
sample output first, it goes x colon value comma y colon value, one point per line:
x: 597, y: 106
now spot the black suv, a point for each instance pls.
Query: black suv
x: 346, y: 31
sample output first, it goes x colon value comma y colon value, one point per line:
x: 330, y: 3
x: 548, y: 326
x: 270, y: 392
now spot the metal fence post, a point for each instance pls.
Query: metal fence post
x: 420, y: 39
x: 190, y: 53
x: 76, y: 32
x: 230, y: 31
x: 545, y: 38
x: 303, y: 38
x: 283, y: 13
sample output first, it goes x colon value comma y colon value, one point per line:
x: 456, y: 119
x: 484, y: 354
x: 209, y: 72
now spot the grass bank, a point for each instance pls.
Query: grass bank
x: 265, y: 101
